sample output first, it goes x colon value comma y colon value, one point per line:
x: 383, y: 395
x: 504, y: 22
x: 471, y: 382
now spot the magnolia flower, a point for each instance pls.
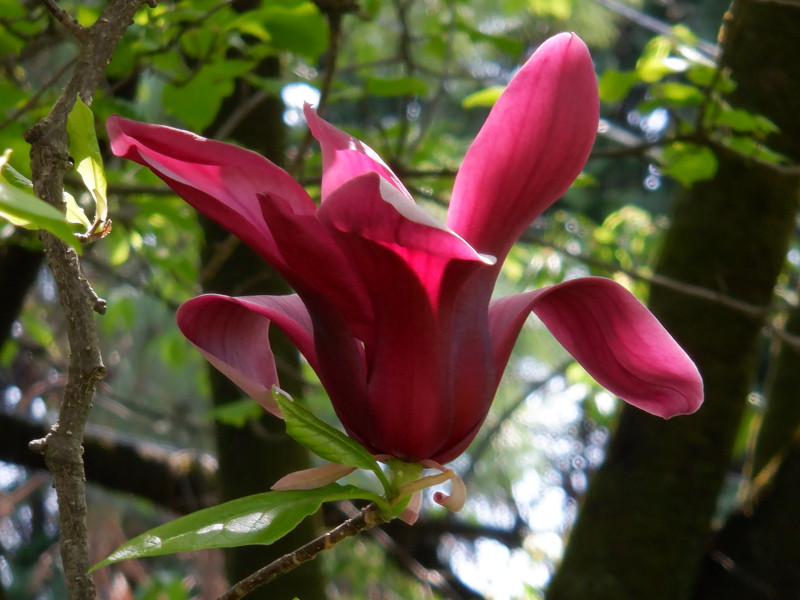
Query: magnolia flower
x: 393, y: 308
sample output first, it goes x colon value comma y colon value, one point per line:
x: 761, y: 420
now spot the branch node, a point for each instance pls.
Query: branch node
x: 38, y: 446
x: 99, y: 306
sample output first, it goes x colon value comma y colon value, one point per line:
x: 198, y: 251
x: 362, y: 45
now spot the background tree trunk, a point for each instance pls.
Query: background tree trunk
x: 644, y: 526
x: 252, y: 458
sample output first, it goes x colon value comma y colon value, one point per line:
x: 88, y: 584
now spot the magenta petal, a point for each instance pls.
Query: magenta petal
x: 613, y: 336
x: 233, y: 334
x: 315, y: 264
x: 220, y: 180
x: 344, y: 157
x: 373, y: 209
x: 533, y: 145
x: 419, y: 404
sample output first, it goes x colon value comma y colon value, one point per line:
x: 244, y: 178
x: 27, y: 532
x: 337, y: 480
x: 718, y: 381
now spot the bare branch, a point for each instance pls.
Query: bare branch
x: 368, y: 518
x: 62, y: 447
x: 65, y: 19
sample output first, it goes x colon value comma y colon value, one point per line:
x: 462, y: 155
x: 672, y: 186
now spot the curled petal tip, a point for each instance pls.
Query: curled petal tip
x: 458, y: 494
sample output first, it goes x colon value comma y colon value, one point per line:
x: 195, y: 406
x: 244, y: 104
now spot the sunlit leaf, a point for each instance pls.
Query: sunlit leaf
x: 258, y: 519
x: 614, y: 86
x: 485, y: 97
x: 85, y: 152
x: 300, y: 29
x: 23, y: 209
x: 75, y: 213
x: 689, y: 162
x: 678, y: 94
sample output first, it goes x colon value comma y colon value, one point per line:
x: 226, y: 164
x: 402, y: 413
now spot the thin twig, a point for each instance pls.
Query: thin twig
x: 334, y: 11
x: 751, y: 310
x: 427, y: 577
x: 65, y: 19
x: 369, y: 517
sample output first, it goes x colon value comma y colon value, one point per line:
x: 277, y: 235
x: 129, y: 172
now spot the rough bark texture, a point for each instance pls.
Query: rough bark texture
x: 251, y: 459
x: 62, y: 447
x: 643, y: 529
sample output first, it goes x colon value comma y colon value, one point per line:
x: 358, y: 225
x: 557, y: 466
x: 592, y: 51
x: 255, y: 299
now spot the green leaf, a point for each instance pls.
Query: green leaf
x: 85, y: 152
x: 397, y: 86
x: 76, y: 214
x: 10, y: 175
x: 325, y: 441
x: 614, y: 86
x: 23, y: 209
x: 678, y: 94
x: 300, y: 29
x: 485, y: 97
x: 689, y: 162
x: 197, y: 101
x: 258, y: 519
x: 656, y: 62
x: 744, y: 121
x: 749, y: 147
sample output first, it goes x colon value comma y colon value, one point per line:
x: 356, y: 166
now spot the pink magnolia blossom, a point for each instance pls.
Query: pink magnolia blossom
x: 393, y: 308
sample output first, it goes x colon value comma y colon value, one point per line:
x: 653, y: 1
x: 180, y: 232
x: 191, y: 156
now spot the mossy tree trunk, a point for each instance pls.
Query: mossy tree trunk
x: 644, y: 527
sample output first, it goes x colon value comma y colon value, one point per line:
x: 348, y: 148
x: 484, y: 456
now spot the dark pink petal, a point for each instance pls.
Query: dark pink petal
x: 533, y: 145
x: 613, y: 336
x: 372, y: 209
x: 419, y: 405
x: 233, y: 334
x: 222, y: 181
x: 315, y: 264
x: 344, y: 157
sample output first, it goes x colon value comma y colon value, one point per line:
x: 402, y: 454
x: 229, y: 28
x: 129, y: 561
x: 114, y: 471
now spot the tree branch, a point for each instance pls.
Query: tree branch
x: 62, y: 447
x: 369, y: 517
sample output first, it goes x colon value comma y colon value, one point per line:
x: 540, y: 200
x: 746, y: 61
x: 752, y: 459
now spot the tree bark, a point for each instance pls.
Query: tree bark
x: 62, y: 447
x: 644, y: 526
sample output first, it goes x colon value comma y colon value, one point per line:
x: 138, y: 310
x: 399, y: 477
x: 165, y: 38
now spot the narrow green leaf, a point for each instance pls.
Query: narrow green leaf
x: 85, y: 152
x: 749, y: 147
x: 744, y: 121
x: 23, y: 209
x: 485, y: 97
x: 258, y: 519
x: 325, y: 441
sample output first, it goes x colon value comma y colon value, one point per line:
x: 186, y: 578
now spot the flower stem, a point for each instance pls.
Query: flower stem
x: 369, y: 517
